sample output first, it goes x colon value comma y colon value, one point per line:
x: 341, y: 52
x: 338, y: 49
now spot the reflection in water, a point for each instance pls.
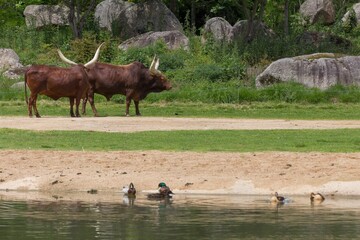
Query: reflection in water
x: 183, y: 217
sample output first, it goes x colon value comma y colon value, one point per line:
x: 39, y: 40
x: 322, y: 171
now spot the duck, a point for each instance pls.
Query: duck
x: 163, y: 192
x: 316, y: 197
x: 163, y: 189
x: 129, y: 191
x: 277, y: 199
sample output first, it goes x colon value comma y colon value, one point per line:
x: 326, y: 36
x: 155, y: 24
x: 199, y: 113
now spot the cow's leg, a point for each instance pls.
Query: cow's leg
x: 128, y: 102
x: 32, y: 104
x: 78, y: 100
x: 71, y: 106
x: 137, y: 108
x: 83, y: 110
x: 92, y: 102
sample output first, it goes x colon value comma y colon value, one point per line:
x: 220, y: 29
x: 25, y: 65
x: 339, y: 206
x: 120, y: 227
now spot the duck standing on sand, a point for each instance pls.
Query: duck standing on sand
x: 163, y: 192
x: 277, y: 199
x: 316, y: 197
x: 129, y: 191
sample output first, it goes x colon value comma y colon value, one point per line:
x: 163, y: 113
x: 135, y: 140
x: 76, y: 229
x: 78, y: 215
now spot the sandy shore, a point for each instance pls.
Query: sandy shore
x: 187, y: 172
x: 54, y: 172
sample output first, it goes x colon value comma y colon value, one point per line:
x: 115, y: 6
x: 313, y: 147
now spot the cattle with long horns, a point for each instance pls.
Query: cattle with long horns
x: 56, y: 82
x: 134, y: 80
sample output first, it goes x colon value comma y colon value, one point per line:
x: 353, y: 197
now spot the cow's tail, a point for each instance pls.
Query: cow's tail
x: 25, y: 83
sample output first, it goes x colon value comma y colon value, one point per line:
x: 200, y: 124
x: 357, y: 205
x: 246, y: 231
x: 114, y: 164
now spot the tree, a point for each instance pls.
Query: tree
x: 278, y: 13
x: 80, y: 12
x: 254, y: 11
x: 286, y: 17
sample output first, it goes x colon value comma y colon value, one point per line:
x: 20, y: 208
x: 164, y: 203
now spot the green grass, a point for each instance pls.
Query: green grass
x: 340, y: 140
x: 266, y: 110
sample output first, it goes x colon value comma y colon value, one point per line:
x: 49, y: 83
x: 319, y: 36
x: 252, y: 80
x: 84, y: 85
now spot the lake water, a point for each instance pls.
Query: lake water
x: 183, y: 217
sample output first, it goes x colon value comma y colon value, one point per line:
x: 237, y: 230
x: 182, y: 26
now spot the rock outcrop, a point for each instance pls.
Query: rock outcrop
x: 42, y: 15
x: 356, y: 9
x: 320, y: 70
x: 172, y: 39
x: 217, y: 28
x: 10, y: 63
x: 318, y: 11
x: 108, y: 11
x: 221, y: 30
x: 151, y: 15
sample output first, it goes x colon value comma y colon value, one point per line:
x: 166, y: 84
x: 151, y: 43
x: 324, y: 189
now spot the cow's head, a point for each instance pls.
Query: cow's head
x: 160, y: 81
x: 88, y: 65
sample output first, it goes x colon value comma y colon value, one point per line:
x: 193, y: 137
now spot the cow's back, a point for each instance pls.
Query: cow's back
x: 56, y: 82
x: 108, y: 79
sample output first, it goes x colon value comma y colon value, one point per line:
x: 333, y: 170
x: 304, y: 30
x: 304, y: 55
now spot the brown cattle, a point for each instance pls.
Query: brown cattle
x: 134, y: 80
x: 56, y: 82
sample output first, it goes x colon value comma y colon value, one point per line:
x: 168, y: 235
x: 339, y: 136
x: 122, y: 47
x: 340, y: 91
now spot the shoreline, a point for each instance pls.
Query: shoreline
x: 260, y: 173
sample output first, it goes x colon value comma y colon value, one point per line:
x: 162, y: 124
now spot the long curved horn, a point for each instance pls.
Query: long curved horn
x: 157, y: 63
x: 65, y: 59
x: 152, y: 66
x: 95, y: 58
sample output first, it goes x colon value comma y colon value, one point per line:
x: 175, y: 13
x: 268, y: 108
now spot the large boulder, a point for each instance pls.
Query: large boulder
x: 41, y: 15
x: 108, y: 11
x: 217, y: 28
x: 221, y: 30
x: 151, y: 15
x: 9, y: 59
x: 10, y: 63
x: 239, y: 30
x: 318, y: 11
x: 320, y: 70
x: 172, y: 39
x: 356, y: 9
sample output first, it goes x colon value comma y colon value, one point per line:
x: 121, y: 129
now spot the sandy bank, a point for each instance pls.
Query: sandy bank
x: 186, y: 172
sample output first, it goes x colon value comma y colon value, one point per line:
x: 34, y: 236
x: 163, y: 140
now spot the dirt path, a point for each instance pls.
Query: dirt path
x: 132, y: 124
x: 186, y: 172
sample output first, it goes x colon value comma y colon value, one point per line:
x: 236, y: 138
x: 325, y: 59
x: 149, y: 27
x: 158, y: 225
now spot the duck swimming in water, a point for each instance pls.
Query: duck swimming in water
x: 163, y: 192
x: 318, y: 197
x: 129, y: 191
x: 277, y: 199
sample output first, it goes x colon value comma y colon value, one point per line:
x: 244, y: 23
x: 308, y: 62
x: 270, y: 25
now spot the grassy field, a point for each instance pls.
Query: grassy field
x: 344, y: 140
x: 266, y: 110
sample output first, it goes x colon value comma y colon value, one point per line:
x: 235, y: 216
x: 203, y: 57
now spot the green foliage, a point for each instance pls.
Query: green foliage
x: 7, y: 92
x: 83, y: 50
x: 351, y: 22
x: 338, y: 140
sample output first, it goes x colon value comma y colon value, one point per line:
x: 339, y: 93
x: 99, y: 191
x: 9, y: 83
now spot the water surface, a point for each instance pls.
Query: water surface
x: 183, y: 217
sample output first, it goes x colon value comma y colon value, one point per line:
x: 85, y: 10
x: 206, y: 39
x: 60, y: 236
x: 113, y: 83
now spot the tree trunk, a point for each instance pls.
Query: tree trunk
x: 79, y: 12
x: 286, y: 17
x: 193, y: 13
x: 72, y: 19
